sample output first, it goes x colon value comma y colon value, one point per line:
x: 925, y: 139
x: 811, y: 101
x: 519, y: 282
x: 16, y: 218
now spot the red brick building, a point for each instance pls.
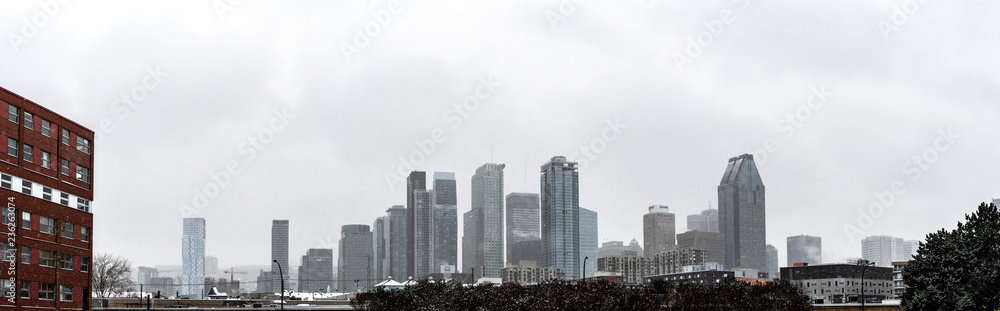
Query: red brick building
x: 46, y: 183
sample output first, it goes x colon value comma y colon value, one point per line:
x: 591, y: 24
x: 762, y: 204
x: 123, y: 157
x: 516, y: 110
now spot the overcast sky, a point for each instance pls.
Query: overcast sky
x: 834, y: 98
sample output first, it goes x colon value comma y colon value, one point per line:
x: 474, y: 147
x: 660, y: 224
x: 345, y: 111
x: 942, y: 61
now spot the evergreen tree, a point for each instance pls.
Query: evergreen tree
x: 958, y: 269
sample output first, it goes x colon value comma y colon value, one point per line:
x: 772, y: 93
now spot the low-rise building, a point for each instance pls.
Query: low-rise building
x: 628, y: 265
x: 528, y: 272
x: 898, y: 287
x: 697, y: 277
x: 838, y: 283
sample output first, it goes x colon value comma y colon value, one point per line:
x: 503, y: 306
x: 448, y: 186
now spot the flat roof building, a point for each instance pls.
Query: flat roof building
x: 46, y: 179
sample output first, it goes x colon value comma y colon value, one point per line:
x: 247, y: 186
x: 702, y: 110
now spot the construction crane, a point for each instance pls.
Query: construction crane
x: 232, y: 271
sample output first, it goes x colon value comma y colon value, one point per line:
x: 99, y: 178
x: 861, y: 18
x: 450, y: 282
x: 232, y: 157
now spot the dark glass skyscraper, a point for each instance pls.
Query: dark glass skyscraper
x: 353, y: 258
x: 522, y: 221
x: 560, y: 210
x: 741, y: 215
x: 279, y: 252
x: 588, y: 241
x: 396, y: 242
x: 316, y: 271
x: 445, y: 223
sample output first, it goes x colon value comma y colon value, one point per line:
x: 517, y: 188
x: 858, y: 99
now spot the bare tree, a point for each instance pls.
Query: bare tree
x: 112, y: 274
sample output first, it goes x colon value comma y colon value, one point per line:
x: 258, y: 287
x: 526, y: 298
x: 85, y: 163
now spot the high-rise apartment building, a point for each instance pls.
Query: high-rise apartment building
x: 46, y: 177
x: 279, y: 252
x: 588, y: 242
x: 773, y: 270
x: 417, y: 180
x: 316, y: 271
x: 145, y: 275
x: 445, y: 223
x: 354, y: 258
x: 522, y: 220
x: 659, y: 230
x: 707, y: 221
x: 396, y: 242
x: 741, y: 215
x: 484, y: 223
x: 560, y: 210
x: 804, y: 248
x: 884, y: 249
x: 710, y: 242
x: 379, y: 249
x: 423, y: 233
x: 193, y: 258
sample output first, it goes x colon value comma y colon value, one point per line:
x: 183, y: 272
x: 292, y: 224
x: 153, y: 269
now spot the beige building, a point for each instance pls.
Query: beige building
x: 528, y: 272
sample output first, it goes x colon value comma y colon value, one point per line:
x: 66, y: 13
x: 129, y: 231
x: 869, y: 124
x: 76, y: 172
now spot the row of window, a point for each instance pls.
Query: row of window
x: 13, y: 113
x: 28, y: 187
x: 46, y: 291
x: 82, y: 172
x: 46, y: 258
x: 47, y: 225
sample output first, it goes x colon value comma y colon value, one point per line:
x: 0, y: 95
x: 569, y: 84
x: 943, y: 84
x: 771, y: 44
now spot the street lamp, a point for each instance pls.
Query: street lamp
x: 282, y: 276
x: 864, y: 265
x: 584, y: 276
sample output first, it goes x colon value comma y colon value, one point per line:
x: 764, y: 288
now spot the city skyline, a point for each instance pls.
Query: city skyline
x: 838, y: 114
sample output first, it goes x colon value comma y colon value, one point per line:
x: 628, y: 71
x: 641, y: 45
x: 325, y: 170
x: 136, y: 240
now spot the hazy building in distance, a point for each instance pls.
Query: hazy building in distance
x: 212, y: 267
x: 423, y: 238
x: 417, y: 180
x: 522, y: 221
x: 773, y: 271
x: 484, y: 223
x: 146, y: 274
x: 396, y: 242
x: 741, y: 215
x: 279, y: 252
x: 445, y: 223
x: 316, y: 271
x: 659, y: 230
x: 353, y: 255
x: 615, y: 248
x: 710, y: 242
x: 378, y: 250
x: 884, y: 249
x: 193, y: 258
x: 560, y: 211
x: 588, y: 241
x: 804, y: 248
x: 707, y: 221
x: 910, y: 248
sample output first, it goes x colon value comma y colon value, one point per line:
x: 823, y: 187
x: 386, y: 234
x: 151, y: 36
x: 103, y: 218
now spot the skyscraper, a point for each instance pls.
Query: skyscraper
x: 423, y: 233
x: 397, y: 241
x: 773, y: 271
x: 522, y: 220
x: 472, y: 243
x: 353, y: 258
x: 741, y: 214
x: 211, y: 266
x: 804, y: 248
x: 316, y: 271
x: 659, y: 230
x: 416, y: 181
x: 445, y: 223
x: 193, y: 258
x: 560, y: 210
x: 588, y: 241
x: 884, y: 249
x: 616, y: 248
x: 279, y: 252
x: 378, y: 248
x: 710, y: 242
x: 484, y: 222
x: 707, y: 221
